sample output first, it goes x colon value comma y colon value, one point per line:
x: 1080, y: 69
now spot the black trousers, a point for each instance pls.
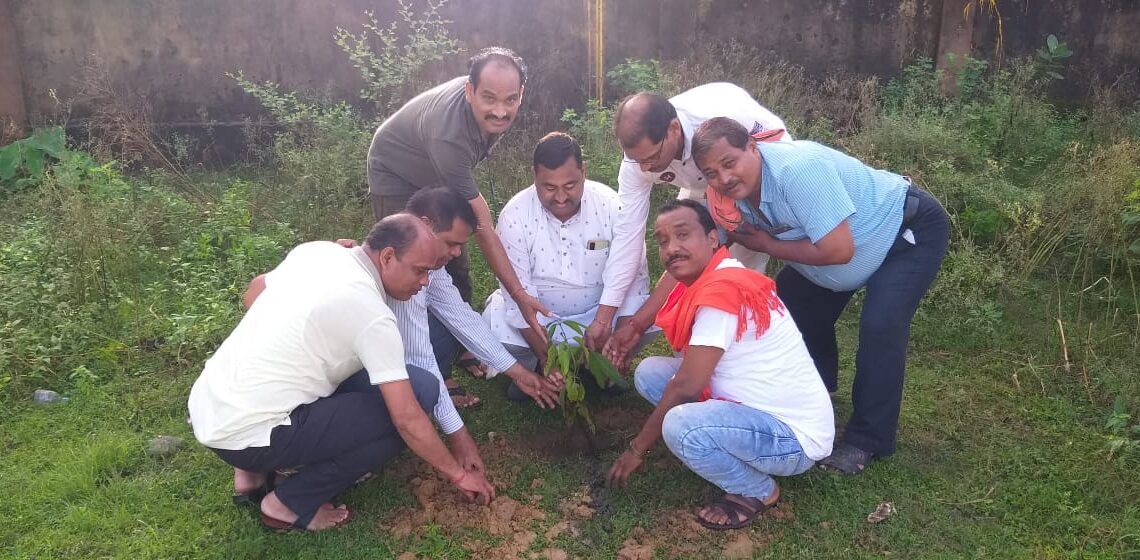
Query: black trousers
x: 337, y: 439
x: 893, y: 294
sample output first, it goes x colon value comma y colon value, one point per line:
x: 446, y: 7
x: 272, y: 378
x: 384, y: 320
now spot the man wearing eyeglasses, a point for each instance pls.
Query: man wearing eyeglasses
x: 656, y: 135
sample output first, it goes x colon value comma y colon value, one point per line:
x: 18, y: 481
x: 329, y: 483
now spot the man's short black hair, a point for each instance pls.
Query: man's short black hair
x: 652, y: 117
x: 703, y: 215
x: 554, y: 149
x: 395, y: 231
x: 476, y: 63
x: 441, y: 205
x: 713, y: 130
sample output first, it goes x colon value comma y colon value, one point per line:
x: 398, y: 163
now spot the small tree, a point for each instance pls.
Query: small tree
x: 401, y: 53
x: 567, y: 353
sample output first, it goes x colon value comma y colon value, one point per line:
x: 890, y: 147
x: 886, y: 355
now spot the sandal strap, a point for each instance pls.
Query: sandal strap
x: 736, y: 510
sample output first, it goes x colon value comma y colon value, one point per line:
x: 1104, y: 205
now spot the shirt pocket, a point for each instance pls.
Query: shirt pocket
x: 594, y: 263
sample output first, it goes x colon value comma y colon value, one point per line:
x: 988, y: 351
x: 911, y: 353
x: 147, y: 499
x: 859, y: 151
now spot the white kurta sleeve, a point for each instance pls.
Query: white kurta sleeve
x: 627, y: 250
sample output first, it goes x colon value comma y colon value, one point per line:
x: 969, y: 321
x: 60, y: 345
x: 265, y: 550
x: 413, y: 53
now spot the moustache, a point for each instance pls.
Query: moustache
x: 675, y: 258
x: 493, y: 118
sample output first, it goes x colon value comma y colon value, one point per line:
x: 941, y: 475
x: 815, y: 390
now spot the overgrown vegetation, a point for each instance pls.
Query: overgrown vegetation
x: 1019, y: 433
x: 391, y: 58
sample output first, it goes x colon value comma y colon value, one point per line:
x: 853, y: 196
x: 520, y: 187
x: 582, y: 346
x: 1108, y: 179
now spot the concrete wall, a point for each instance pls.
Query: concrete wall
x: 13, y: 115
x: 177, y: 52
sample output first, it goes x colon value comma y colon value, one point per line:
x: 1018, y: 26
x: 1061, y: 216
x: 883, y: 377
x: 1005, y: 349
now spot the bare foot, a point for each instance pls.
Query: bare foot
x: 328, y: 516
x: 247, y: 481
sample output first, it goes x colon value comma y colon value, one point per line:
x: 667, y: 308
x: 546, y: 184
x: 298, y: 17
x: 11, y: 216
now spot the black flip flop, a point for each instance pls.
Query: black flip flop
x: 735, y: 511
x: 254, y: 497
x: 282, y: 526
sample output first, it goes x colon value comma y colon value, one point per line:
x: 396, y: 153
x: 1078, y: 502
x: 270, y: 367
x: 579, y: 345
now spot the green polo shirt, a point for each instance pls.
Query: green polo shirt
x: 433, y: 140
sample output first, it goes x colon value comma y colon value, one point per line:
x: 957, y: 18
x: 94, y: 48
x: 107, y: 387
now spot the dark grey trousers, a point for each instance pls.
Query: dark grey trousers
x: 337, y: 439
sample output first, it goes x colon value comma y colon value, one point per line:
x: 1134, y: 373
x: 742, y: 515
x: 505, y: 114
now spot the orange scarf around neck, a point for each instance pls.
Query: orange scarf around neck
x: 740, y: 291
x: 723, y: 209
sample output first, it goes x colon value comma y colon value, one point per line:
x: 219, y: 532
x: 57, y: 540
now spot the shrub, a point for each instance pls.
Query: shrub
x: 22, y: 162
x: 633, y: 76
x: 406, y: 46
x: 594, y: 131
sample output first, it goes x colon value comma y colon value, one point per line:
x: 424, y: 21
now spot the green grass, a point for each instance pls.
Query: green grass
x: 984, y: 469
x: 115, y: 288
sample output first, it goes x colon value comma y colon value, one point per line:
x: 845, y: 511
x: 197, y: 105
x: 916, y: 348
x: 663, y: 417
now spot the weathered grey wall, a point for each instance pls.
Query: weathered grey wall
x: 1104, y: 35
x: 13, y: 115
x: 178, y: 51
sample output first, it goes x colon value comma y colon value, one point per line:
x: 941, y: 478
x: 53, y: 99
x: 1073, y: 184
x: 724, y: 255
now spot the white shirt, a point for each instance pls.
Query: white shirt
x: 773, y: 373
x: 560, y: 263
x: 693, y: 108
x: 442, y: 299
x: 320, y: 319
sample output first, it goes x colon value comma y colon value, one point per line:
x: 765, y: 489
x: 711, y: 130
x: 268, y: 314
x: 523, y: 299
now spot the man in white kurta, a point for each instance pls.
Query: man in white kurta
x: 558, y: 234
x: 656, y: 135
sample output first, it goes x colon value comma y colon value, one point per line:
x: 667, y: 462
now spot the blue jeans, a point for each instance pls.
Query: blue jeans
x: 730, y: 445
x: 893, y: 295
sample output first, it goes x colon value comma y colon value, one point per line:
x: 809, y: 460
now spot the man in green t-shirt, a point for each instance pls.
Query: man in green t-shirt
x: 437, y: 139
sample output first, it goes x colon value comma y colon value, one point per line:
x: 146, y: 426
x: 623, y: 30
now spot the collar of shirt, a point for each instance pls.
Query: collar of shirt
x: 366, y: 263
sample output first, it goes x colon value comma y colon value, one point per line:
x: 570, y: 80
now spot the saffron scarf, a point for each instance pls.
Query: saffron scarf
x: 743, y: 292
x: 723, y: 209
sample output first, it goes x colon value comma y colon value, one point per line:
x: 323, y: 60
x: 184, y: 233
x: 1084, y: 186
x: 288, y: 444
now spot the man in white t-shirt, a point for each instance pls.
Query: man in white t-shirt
x: 557, y: 235
x: 656, y: 135
x: 743, y: 402
x: 314, y: 375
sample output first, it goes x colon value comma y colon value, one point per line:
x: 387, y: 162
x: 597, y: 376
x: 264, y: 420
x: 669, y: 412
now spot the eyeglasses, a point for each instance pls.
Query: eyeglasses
x: 649, y: 160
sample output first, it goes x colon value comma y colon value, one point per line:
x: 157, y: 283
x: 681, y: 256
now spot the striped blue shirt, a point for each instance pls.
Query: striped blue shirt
x: 442, y: 299
x: 807, y: 189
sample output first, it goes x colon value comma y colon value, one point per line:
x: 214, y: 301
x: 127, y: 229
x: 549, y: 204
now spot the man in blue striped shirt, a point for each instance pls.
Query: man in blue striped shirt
x: 840, y: 225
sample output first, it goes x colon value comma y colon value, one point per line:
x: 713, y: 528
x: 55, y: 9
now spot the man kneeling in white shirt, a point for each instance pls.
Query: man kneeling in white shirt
x: 557, y: 235
x: 743, y: 402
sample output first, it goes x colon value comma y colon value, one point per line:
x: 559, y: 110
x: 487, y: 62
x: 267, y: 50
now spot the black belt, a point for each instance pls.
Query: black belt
x: 910, y: 203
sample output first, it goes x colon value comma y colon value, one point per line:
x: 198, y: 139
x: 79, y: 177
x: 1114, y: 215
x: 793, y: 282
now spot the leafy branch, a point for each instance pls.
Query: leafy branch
x: 567, y: 353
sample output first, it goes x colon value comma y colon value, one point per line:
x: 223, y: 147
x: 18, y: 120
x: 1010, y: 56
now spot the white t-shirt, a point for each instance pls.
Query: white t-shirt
x: 774, y: 373
x: 321, y: 318
x: 694, y: 107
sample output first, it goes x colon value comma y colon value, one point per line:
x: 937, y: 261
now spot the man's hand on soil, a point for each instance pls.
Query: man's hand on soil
x: 466, y: 453
x: 623, y: 467
x: 475, y: 487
